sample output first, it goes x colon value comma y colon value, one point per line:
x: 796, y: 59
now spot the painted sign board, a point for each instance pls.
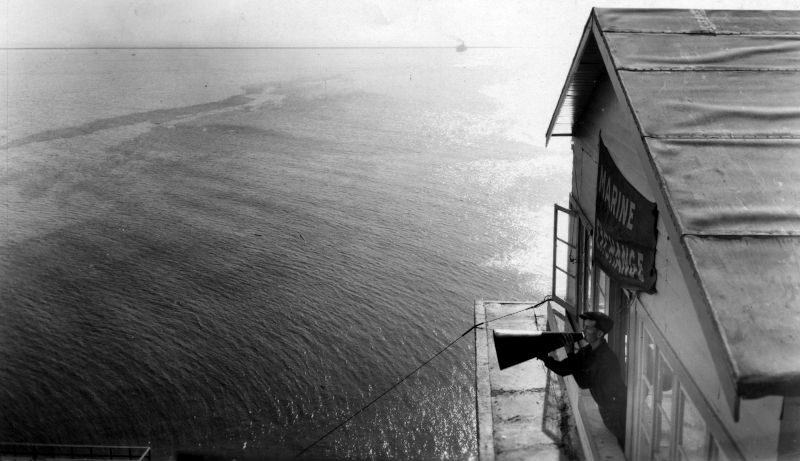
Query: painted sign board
x: 625, y: 228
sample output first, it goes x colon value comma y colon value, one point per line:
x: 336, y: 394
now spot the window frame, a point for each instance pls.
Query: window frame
x: 718, y: 444
x: 570, y: 273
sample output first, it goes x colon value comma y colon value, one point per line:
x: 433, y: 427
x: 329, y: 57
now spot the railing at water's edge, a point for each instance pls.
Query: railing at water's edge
x: 41, y: 451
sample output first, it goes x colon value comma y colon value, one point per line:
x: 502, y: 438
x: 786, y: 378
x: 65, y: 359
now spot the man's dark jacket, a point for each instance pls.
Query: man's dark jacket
x: 599, y: 371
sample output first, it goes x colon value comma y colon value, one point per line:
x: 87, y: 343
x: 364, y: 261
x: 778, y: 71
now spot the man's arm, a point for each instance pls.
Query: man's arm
x: 572, y: 365
x: 564, y: 367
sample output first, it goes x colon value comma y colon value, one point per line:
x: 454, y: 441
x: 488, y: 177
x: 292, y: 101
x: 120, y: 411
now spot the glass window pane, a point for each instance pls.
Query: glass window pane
x: 644, y: 447
x: 646, y: 403
x: 603, y: 282
x: 649, y: 351
x: 665, y: 380
x: 694, y: 436
x: 560, y: 288
x: 664, y: 394
x: 588, y: 268
x: 646, y: 411
x: 719, y: 455
x: 563, y: 255
x: 625, y: 357
x: 663, y: 446
x: 565, y: 225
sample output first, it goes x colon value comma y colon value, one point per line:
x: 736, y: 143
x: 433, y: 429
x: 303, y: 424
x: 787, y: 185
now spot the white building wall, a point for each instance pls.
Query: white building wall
x: 671, y: 307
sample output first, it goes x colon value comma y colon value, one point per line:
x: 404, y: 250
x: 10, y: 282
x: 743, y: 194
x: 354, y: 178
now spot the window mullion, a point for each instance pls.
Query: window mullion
x: 655, y: 438
x: 676, y: 417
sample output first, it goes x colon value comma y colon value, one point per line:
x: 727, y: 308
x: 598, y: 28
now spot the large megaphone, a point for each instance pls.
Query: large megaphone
x: 516, y: 346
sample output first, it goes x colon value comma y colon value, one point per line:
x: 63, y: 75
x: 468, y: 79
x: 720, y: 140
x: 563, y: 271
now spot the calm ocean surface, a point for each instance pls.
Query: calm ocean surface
x: 232, y: 251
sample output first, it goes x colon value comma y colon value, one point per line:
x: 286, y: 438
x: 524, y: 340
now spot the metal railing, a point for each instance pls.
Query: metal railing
x: 41, y: 451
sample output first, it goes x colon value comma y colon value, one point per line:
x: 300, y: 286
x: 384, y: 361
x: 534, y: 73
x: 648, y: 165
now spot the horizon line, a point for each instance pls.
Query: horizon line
x: 246, y: 47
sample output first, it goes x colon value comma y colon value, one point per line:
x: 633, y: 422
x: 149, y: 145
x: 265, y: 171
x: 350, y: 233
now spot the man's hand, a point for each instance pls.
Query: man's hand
x: 569, y: 345
x: 541, y: 355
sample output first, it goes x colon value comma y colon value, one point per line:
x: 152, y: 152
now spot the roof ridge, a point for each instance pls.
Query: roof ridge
x: 735, y: 236
x: 721, y: 136
x: 707, y: 69
x: 703, y: 21
x: 622, y: 30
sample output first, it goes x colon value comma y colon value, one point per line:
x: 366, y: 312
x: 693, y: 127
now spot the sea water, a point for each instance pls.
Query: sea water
x: 236, y: 250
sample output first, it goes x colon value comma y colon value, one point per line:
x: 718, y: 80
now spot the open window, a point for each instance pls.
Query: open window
x: 565, y: 258
x: 573, y: 269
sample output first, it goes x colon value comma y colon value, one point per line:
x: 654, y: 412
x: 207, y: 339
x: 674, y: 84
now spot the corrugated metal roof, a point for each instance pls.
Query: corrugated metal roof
x: 716, y: 96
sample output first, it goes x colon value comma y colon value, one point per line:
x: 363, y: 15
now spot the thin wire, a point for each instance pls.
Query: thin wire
x: 546, y: 299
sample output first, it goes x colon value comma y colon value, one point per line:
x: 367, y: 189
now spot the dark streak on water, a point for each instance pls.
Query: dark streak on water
x: 153, y: 116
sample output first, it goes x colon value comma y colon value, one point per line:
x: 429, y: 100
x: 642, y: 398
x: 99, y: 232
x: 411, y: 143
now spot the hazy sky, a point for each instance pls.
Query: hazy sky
x: 77, y: 23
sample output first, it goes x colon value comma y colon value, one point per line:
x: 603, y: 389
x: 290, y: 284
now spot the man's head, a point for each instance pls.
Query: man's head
x: 595, y: 325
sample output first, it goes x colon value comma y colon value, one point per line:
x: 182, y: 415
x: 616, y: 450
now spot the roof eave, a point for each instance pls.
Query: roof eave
x: 576, y: 62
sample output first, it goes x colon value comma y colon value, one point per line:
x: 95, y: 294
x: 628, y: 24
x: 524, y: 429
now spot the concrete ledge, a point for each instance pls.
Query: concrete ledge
x: 483, y: 386
x: 515, y: 415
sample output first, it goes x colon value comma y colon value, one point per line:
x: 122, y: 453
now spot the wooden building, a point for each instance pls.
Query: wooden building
x: 684, y: 226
